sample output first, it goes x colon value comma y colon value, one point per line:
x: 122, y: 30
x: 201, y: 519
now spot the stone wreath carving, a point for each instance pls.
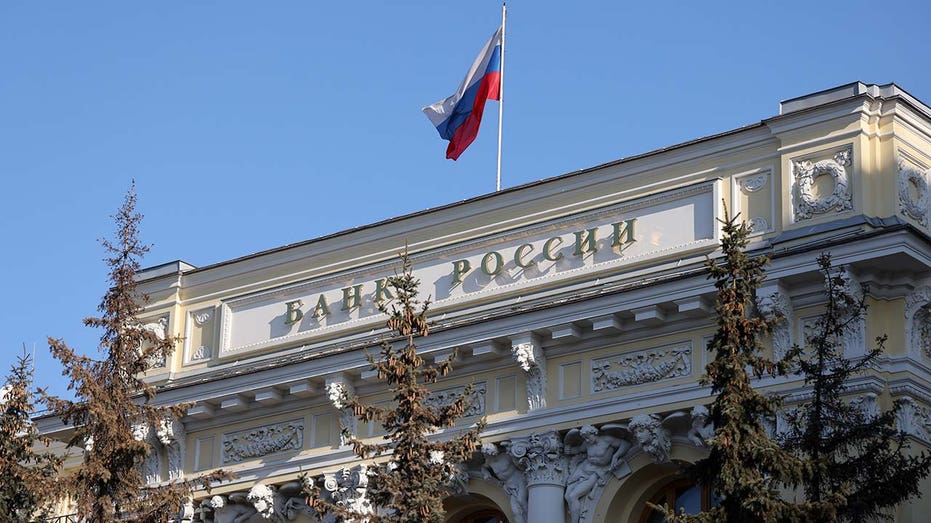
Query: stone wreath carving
x: 909, y: 177
x: 806, y: 172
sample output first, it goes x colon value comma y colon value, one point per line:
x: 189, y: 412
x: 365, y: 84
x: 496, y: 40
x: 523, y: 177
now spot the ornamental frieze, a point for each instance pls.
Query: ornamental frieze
x: 475, y: 403
x: 639, y: 367
x: 262, y: 441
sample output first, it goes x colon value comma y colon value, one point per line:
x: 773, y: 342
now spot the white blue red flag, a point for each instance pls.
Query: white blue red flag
x: 458, y: 117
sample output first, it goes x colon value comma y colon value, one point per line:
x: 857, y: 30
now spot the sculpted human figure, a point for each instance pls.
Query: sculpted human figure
x: 701, y: 430
x: 595, y: 454
x: 652, y: 436
x: 498, y: 466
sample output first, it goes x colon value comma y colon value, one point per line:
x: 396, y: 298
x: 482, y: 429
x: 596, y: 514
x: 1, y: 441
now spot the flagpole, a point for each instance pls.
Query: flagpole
x: 504, y: 10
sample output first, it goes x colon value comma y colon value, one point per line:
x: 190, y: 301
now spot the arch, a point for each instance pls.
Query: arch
x: 623, y: 499
x: 482, y: 497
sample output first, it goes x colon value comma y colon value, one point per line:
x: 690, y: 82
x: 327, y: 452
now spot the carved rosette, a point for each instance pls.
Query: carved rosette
x: 529, y: 356
x: 262, y: 441
x: 773, y: 304
x: 918, y: 321
x: 645, y: 366
x: 806, y: 204
x: 541, y: 457
x: 912, y: 179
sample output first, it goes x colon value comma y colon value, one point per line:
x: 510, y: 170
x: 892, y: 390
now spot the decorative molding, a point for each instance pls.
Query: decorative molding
x: 918, y: 322
x: 806, y: 172
x: 261, y: 441
x: 202, y: 317
x: 644, y: 366
x: 173, y: 437
x: 774, y: 305
x: 158, y: 327
x: 911, y: 176
x: 339, y: 391
x: 444, y: 397
x: 914, y: 419
x: 201, y: 353
x: 758, y: 224
x: 529, y: 355
x: 848, y: 293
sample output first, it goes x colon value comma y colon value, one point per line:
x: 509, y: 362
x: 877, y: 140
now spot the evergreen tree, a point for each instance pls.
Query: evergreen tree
x: 410, y: 488
x: 29, y: 476
x: 112, y: 399
x: 745, y: 468
x: 860, y: 454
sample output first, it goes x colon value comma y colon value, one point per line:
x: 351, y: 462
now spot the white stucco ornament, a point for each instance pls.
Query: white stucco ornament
x: 807, y: 172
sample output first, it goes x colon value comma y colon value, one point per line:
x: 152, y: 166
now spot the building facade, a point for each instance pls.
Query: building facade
x: 579, y: 309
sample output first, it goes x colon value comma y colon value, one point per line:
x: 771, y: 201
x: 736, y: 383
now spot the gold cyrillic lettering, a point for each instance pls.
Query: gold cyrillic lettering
x: 519, y: 256
x: 460, y: 268
x: 352, y: 297
x: 625, y: 229
x: 322, y: 309
x: 382, y: 293
x: 293, y: 314
x: 585, y: 242
x: 499, y: 263
x: 548, y: 249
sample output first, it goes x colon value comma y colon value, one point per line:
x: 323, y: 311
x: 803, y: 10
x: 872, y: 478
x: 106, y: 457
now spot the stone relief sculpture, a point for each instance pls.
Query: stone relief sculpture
x: 911, y: 180
x: 773, y: 304
x: 444, y: 397
x: 261, y: 504
x: 262, y: 441
x: 339, y: 390
x: 499, y: 467
x: 806, y: 203
x: 594, y: 454
x: 645, y: 366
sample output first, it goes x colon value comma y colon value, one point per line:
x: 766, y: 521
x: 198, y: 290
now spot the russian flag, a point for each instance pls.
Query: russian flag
x: 458, y: 117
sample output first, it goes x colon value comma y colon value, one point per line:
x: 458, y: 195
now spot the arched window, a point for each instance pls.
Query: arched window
x: 486, y: 516
x: 681, y: 494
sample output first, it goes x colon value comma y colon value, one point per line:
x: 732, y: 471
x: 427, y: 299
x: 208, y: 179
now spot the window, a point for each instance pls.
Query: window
x: 486, y: 516
x: 681, y: 494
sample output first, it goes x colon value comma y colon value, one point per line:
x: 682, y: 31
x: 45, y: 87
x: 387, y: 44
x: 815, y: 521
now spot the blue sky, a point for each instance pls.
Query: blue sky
x: 250, y: 125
